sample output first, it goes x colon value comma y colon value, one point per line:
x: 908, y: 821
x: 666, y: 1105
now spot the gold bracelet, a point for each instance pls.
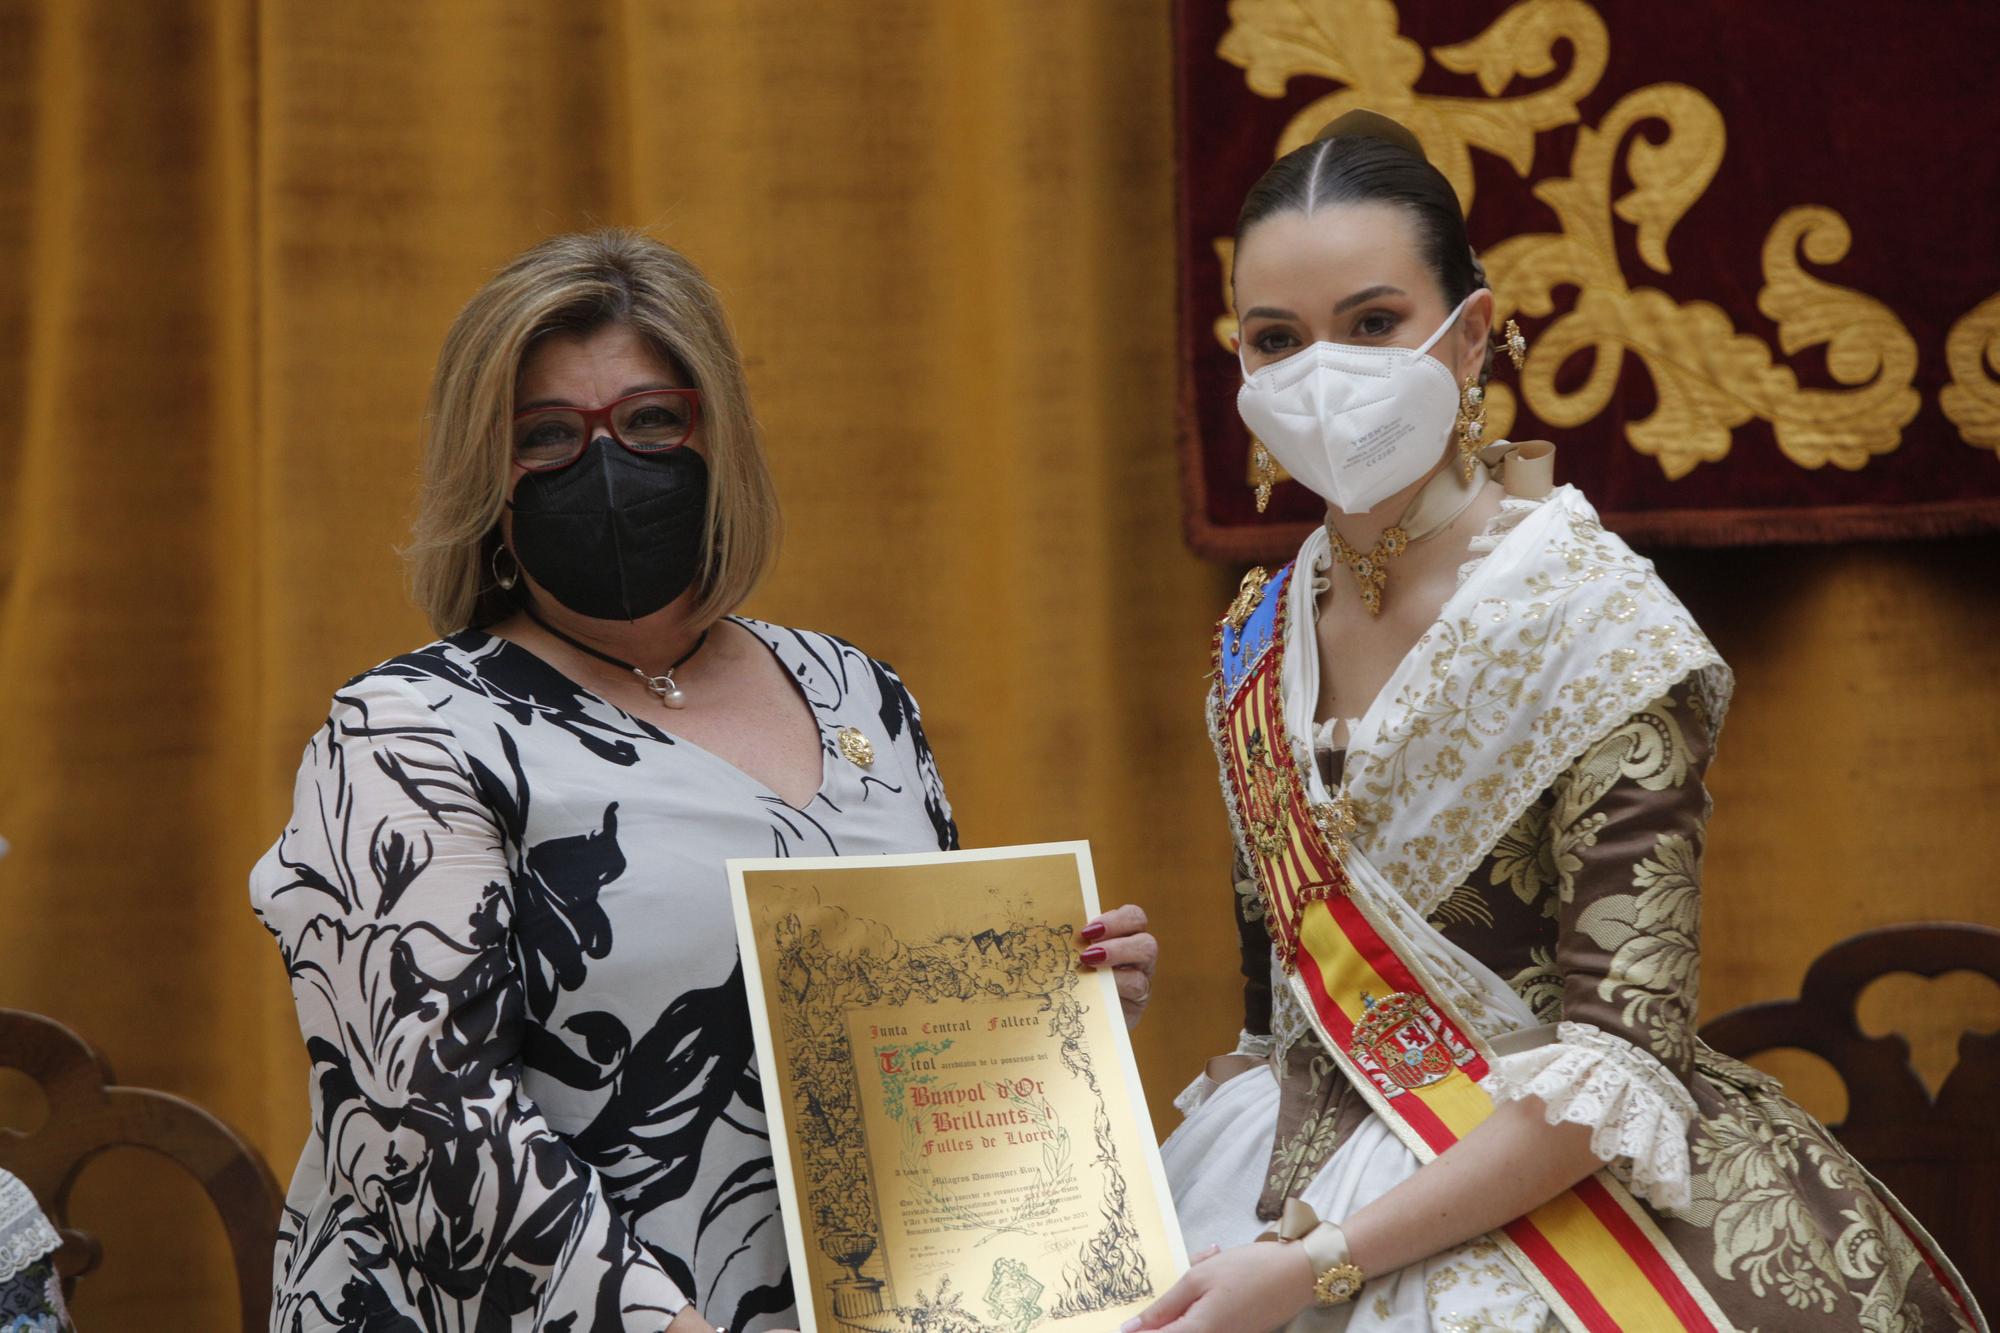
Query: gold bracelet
x: 1337, y: 1279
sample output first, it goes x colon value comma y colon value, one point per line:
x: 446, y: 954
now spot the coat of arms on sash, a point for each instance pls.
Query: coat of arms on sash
x: 1266, y: 817
x: 1402, y: 1043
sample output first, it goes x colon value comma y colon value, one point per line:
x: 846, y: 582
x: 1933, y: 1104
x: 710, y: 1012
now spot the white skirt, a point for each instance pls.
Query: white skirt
x: 1216, y: 1163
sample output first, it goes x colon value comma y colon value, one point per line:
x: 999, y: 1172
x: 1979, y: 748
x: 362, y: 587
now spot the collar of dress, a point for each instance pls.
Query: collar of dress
x: 1557, y: 634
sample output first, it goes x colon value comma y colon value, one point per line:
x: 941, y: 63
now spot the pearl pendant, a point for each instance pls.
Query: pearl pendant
x: 664, y: 689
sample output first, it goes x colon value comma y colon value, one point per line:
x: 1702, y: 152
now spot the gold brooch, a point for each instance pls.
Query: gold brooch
x: 1247, y: 596
x: 855, y: 747
x: 1337, y: 820
x: 1338, y: 1285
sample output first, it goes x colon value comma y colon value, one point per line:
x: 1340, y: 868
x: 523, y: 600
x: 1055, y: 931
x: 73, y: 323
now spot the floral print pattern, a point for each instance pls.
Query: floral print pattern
x: 31, y: 1301
x: 502, y: 907
x: 1531, y: 662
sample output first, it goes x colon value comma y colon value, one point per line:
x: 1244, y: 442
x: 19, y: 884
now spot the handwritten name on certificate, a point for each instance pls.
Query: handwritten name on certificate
x: 958, y: 1133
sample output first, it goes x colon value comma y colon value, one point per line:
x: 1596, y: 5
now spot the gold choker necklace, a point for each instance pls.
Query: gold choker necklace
x: 1431, y: 510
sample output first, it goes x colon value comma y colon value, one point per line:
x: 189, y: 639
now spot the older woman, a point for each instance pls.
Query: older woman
x: 501, y: 897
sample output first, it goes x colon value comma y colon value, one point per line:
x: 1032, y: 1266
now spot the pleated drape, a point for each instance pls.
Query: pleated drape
x: 235, y: 235
x: 234, y: 232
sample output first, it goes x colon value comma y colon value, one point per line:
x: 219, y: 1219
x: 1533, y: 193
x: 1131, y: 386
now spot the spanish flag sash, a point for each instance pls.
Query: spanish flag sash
x: 1593, y: 1252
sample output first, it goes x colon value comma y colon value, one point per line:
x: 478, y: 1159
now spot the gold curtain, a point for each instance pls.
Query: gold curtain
x: 234, y: 233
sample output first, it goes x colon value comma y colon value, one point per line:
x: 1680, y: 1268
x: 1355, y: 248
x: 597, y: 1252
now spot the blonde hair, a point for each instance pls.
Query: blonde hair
x: 579, y: 283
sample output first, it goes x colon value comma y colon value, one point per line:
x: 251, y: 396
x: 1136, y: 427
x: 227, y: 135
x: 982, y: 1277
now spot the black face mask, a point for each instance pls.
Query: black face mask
x: 614, y: 536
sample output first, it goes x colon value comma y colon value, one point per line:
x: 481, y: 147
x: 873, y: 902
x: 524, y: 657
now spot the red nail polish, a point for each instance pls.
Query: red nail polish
x: 1093, y: 955
x: 1093, y: 931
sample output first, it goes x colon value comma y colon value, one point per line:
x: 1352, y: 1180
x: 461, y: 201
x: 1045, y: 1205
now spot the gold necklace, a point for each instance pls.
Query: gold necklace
x: 1431, y: 510
x: 1371, y: 571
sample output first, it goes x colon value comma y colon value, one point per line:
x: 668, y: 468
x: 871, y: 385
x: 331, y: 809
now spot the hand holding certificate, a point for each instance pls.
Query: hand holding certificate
x: 958, y: 1130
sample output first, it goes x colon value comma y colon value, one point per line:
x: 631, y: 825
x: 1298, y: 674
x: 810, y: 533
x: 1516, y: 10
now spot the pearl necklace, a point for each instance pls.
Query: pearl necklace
x: 1431, y: 510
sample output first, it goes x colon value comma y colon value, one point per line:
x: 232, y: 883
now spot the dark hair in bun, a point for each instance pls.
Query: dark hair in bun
x: 1364, y: 156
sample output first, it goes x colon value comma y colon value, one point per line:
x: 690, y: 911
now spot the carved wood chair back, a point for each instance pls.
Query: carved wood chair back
x: 1938, y: 1155
x: 88, y: 1114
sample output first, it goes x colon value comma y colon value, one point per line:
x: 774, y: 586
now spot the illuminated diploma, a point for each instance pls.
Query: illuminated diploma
x: 957, y: 1127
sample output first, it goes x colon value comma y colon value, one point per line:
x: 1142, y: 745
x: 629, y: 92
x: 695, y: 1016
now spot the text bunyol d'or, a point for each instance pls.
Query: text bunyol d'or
x: 981, y: 1107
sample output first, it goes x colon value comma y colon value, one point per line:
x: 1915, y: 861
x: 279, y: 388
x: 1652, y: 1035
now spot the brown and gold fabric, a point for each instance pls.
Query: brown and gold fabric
x: 1589, y: 905
x: 1528, y: 817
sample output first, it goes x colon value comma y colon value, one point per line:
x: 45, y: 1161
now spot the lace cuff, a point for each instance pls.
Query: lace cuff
x: 1639, y: 1113
x: 25, y: 1235
x: 1257, y: 1045
x: 1189, y: 1099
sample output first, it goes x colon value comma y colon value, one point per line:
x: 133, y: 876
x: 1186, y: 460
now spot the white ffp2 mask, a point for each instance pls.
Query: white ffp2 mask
x: 1354, y: 425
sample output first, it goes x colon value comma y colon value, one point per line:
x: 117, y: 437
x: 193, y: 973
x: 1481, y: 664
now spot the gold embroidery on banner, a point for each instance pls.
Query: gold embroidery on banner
x: 1356, y: 43
x: 1708, y: 376
x: 1972, y: 352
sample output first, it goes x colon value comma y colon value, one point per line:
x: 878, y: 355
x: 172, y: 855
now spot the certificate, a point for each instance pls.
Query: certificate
x: 958, y: 1133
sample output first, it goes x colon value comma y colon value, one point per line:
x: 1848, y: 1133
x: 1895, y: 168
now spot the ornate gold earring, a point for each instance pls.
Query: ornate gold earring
x: 1263, y: 472
x: 507, y: 580
x: 1471, y: 425
x: 1516, y: 345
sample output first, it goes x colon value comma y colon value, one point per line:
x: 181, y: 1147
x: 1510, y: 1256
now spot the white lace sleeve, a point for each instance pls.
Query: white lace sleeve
x: 25, y: 1235
x: 1637, y: 1110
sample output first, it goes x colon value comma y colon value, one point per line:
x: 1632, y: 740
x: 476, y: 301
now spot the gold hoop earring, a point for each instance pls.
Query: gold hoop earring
x: 1516, y: 345
x: 1471, y: 425
x: 1263, y: 471
x: 507, y: 580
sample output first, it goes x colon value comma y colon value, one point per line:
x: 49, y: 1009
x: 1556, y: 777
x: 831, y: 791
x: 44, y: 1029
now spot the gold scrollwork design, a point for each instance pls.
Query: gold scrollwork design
x: 1972, y: 353
x: 1359, y: 44
x: 1709, y: 377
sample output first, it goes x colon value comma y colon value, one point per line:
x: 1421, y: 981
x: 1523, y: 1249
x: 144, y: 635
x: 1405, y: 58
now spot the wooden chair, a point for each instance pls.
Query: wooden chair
x: 89, y: 1113
x: 1940, y: 1157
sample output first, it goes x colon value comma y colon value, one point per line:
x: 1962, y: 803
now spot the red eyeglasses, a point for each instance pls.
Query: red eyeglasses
x: 654, y: 422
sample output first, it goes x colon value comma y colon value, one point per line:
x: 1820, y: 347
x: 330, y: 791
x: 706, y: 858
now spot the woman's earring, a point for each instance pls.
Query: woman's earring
x: 1516, y: 345
x: 1471, y: 425
x: 512, y: 575
x: 1263, y: 472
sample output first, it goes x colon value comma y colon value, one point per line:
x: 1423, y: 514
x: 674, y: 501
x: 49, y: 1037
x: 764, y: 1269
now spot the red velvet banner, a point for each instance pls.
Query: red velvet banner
x: 1755, y: 248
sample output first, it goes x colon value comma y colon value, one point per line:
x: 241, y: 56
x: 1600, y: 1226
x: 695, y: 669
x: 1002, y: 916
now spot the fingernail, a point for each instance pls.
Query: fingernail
x: 1093, y: 955
x: 1128, y: 1326
x: 1093, y: 931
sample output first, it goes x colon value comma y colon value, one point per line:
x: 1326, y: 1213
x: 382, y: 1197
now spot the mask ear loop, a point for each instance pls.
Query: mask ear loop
x: 1449, y: 320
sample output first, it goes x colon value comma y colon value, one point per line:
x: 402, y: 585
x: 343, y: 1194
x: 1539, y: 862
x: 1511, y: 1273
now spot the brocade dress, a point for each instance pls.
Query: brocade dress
x: 502, y: 906
x: 31, y: 1298
x: 1530, y: 785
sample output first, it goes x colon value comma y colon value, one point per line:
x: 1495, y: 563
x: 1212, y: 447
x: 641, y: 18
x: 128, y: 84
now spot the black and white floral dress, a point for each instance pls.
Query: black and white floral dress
x: 502, y: 906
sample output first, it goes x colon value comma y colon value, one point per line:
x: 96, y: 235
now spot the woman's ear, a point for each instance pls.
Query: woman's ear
x: 1475, y: 329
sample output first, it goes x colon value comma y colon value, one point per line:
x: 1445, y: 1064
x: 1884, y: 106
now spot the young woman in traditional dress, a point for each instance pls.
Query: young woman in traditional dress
x: 1462, y: 740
